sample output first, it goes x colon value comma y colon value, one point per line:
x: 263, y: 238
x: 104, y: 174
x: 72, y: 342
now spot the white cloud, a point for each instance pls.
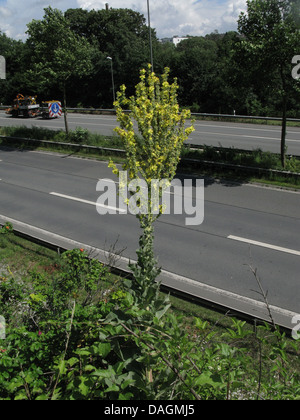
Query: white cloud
x: 168, y: 17
x: 181, y: 17
x: 15, y: 14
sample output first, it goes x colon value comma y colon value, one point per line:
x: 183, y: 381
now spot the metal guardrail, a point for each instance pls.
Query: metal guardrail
x: 194, y: 114
x: 71, y: 145
x: 192, y: 161
x: 207, y: 297
x: 246, y: 117
x: 234, y: 149
x: 242, y: 167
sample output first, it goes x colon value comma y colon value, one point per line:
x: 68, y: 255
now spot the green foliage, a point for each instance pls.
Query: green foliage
x: 69, y: 54
x: 128, y: 345
x: 7, y: 228
x: 216, y: 73
x: 80, y: 135
x: 156, y: 111
x: 70, y: 339
x: 119, y: 33
x: 272, y: 39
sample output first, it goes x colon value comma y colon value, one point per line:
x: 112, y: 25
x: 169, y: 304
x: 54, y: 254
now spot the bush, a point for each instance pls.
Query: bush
x: 80, y: 136
x: 7, y: 228
x: 70, y: 338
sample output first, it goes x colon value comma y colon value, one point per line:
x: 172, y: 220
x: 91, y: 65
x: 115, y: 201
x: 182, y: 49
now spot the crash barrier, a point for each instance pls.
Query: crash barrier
x: 111, y: 111
x: 190, y: 161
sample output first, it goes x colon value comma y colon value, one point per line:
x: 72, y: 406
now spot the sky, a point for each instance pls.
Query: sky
x: 168, y: 17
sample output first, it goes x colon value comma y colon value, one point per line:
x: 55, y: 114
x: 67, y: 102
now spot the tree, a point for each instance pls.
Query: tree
x: 119, y: 33
x: 272, y: 39
x: 195, y: 66
x: 58, y: 53
x: 154, y: 157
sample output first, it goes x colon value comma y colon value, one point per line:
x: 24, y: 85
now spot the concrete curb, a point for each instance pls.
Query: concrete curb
x: 213, y: 297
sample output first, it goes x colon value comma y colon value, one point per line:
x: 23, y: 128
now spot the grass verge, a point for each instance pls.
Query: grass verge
x: 20, y: 257
x: 207, y: 161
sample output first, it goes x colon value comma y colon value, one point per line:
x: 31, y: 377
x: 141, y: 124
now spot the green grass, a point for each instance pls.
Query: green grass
x: 257, y: 158
x: 78, y: 136
x: 20, y: 256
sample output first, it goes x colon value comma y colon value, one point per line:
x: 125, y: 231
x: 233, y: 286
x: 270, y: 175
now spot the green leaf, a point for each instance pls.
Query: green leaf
x: 73, y: 361
x: 100, y: 349
x: 62, y: 367
x: 208, y: 379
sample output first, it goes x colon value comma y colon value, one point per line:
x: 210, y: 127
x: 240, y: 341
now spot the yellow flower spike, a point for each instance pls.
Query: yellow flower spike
x: 160, y: 123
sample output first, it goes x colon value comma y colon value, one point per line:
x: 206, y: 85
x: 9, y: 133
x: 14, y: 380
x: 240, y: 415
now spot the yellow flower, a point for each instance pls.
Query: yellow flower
x: 160, y: 123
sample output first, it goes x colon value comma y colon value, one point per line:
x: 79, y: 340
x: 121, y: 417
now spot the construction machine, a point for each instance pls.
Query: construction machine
x: 25, y: 106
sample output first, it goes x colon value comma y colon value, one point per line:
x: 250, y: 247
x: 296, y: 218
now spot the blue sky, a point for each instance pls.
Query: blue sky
x: 168, y: 17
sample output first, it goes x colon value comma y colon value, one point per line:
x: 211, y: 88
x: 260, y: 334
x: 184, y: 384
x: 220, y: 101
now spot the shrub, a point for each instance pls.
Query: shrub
x: 66, y: 340
x: 80, y: 135
x: 7, y: 228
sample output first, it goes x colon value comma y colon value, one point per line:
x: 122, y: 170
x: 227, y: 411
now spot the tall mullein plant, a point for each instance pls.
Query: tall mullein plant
x: 152, y: 153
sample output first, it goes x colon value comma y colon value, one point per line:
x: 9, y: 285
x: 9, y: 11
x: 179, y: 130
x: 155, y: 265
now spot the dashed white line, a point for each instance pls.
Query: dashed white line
x: 69, y: 197
x: 264, y: 245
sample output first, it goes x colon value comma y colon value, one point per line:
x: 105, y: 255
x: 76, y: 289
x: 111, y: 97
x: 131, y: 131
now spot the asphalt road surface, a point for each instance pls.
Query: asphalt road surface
x: 242, y: 136
x: 245, y: 228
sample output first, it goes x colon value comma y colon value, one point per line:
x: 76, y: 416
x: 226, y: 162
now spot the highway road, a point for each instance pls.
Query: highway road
x: 238, y: 135
x: 53, y: 197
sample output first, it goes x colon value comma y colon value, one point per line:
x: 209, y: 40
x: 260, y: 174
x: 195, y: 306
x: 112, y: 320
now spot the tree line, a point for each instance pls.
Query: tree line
x: 247, y: 72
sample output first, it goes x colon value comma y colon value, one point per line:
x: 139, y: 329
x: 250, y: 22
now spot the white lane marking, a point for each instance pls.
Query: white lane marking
x: 263, y: 244
x: 69, y: 197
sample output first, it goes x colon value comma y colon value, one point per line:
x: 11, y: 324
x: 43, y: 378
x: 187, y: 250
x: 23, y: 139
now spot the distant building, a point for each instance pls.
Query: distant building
x: 166, y: 40
x: 174, y: 40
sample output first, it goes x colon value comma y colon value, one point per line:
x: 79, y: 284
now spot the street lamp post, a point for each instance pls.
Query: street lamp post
x: 112, y: 78
x: 150, y: 35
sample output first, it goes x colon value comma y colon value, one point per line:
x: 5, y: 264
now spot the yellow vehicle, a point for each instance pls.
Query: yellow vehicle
x: 24, y: 106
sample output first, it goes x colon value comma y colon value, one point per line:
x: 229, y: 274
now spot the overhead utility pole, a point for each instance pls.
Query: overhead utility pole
x: 150, y: 35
